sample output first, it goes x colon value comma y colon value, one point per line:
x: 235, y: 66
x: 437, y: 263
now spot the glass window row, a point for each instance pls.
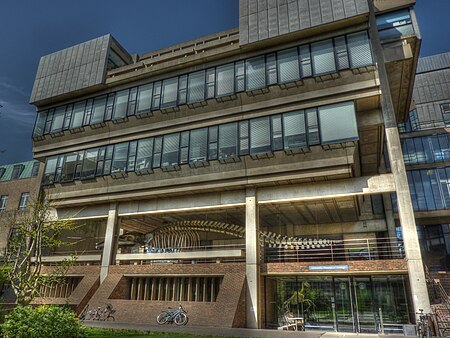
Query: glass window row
x: 289, y: 131
x: 293, y: 64
x: 426, y: 149
x: 429, y: 188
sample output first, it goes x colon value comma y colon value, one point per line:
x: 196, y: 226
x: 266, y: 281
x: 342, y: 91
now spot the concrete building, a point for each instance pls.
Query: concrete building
x: 242, y: 174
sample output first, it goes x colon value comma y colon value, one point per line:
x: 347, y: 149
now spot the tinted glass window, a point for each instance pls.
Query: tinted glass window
x: 260, y: 135
x: 323, y: 57
x: 288, y: 67
x: 144, y: 99
x: 198, y: 145
x: 225, y: 80
x: 121, y: 104
x: 196, y: 87
x: 338, y: 122
x: 255, y: 73
x: 227, y: 140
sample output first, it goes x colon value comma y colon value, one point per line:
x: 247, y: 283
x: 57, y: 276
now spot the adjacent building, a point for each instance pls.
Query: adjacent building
x: 245, y: 174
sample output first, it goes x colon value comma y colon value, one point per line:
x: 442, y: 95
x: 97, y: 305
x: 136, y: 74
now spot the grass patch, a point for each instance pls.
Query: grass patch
x: 109, y: 333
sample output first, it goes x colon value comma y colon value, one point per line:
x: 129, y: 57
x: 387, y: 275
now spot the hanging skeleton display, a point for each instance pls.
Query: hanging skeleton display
x: 187, y: 234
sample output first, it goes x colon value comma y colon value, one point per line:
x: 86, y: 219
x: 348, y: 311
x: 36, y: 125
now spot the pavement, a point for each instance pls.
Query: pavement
x: 230, y: 332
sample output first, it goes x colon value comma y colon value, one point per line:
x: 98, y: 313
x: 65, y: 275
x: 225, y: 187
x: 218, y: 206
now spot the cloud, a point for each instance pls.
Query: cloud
x: 7, y: 87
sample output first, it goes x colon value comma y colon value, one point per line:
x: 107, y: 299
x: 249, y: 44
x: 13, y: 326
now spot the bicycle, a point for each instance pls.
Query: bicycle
x: 178, y: 316
x: 423, y: 328
x: 100, y: 314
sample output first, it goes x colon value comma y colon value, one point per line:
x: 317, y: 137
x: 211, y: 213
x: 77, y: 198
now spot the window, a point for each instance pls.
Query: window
x: 182, y: 89
x: 294, y: 130
x: 49, y: 171
x: 119, y: 163
x: 157, y: 149
x: 78, y: 115
x: 88, y: 112
x: 271, y: 69
x: 313, y: 126
x: 24, y: 201
x: 131, y: 110
x: 196, y: 87
x: 210, y: 83
x: 243, y: 138
x: 89, y: 164
x: 110, y: 106
x: 121, y: 104
x: 156, y: 95
x: 198, y: 145
x: 359, y: 50
x: 169, y: 93
x: 40, y: 124
x: 288, y: 66
x: 184, y: 147
x: 340, y: 48
x: 260, y: 135
x: 277, y: 132
x: 98, y: 112
x: 67, y: 116
x: 305, y: 61
x: 17, y: 171
x: 48, y: 121
x: 212, y: 142
x: 144, y: 154
x: 58, y: 119
x: 255, y: 72
x: 68, y: 171
x: 394, y: 25
x: 338, y: 123
x: 225, y: 80
x: 2, y: 172
x: 132, y: 149
x: 3, y: 202
x: 228, y: 140
x: 446, y: 113
x: 144, y: 99
x: 171, y: 146
x: 239, y: 71
x: 323, y: 57
x: 108, y: 160
x: 34, y: 169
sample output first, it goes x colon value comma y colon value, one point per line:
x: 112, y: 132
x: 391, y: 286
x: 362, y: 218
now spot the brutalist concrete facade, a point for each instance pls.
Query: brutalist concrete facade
x: 234, y: 172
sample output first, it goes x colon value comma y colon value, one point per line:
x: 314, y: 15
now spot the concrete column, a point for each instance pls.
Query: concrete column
x: 252, y: 265
x: 406, y: 214
x: 109, y: 251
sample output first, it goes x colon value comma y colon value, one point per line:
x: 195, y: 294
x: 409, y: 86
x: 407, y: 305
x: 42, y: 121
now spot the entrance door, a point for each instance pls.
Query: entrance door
x: 364, y: 305
x: 343, y: 305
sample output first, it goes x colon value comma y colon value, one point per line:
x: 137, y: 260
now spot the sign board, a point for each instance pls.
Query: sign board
x: 328, y: 267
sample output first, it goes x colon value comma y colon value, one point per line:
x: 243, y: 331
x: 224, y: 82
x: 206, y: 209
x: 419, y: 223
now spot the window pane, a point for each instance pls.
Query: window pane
x: 88, y: 112
x: 182, y: 89
x: 67, y: 116
x: 144, y: 154
x: 144, y: 100
x: 157, y: 149
x: 305, y: 61
x: 119, y: 162
x: 260, y: 135
x: 99, y: 110
x: 78, y: 114
x: 196, y: 87
x: 227, y: 140
x: 169, y: 92
x: 340, y: 47
x: 89, y: 164
x: 338, y: 122
x: 120, y: 104
x: 240, y: 78
x: 271, y: 69
x: 243, y: 138
x: 359, y: 50
x: 294, y: 130
x: 68, y: 171
x: 288, y: 68
x: 156, y: 95
x: 131, y: 109
x: 313, y: 126
x: 58, y: 119
x: 50, y: 168
x: 255, y: 73
x: 40, y: 124
x: 210, y: 83
x: 225, y: 80
x: 184, y: 147
x: 171, y: 148
x: 277, y: 133
x: 212, y: 143
x: 323, y: 57
x: 198, y: 145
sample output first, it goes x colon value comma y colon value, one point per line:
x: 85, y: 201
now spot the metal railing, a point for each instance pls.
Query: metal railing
x: 338, y: 250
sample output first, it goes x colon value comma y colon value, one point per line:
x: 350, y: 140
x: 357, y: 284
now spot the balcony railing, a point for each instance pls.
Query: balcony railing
x: 337, y: 251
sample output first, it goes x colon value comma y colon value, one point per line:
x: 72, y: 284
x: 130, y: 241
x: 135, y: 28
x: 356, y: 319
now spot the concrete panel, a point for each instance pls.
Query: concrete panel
x: 362, y: 6
x: 294, y: 22
x: 263, y: 25
x: 252, y: 7
x: 327, y: 11
x: 350, y: 8
x: 253, y: 27
x: 262, y: 6
x: 273, y: 22
x: 243, y: 8
x: 283, y: 19
x: 303, y: 10
x: 314, y: 12
x: 338, y: 9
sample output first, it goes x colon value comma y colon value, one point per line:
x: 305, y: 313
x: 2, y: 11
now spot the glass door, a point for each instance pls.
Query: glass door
x: 343, y: 305
x: 363, y: 305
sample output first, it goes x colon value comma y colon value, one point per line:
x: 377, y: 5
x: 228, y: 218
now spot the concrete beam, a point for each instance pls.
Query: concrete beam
x: 82, y: 258
x: 181, y: 255
x: 366, y: 185
x: 109, y: 244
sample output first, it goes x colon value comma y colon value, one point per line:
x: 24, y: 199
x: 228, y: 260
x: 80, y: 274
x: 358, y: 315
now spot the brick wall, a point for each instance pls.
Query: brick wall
x: 227, y: 311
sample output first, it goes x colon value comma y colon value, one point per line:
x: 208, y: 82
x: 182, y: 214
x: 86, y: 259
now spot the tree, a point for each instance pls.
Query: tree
x: 33, y: 232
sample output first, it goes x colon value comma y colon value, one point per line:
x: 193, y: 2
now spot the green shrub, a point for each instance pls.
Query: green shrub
x: 42, y: 322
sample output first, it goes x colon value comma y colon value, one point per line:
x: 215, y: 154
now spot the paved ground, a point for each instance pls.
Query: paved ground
x: 229, y: 332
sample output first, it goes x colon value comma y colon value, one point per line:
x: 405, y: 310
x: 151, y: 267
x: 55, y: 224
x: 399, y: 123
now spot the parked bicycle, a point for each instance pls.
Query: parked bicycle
x: 101, y: 314
x: 177, y: 316
x: 423, y: 327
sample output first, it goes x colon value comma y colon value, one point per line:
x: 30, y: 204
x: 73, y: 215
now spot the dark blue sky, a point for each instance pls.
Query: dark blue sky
x: 30, y: 29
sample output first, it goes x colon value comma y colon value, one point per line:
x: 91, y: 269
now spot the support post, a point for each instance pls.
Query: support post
x: 109, y: 242
x: 406, y: 213
x: 252, y: 266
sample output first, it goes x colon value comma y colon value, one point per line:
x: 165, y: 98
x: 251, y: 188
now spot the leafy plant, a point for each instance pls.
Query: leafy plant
x: 42, y: 321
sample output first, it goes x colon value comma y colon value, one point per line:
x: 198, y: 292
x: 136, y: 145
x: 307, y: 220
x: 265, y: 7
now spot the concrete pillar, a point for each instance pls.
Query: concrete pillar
x: 416, y: 272
x: 252, y: 265
x: 109, y: 251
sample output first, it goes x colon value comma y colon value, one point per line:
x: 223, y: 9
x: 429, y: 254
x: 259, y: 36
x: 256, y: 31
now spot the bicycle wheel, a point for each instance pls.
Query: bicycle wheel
x: 162, y: 318
x: 420, y: 330
x: 180, y: 319
x: 110, y: 318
